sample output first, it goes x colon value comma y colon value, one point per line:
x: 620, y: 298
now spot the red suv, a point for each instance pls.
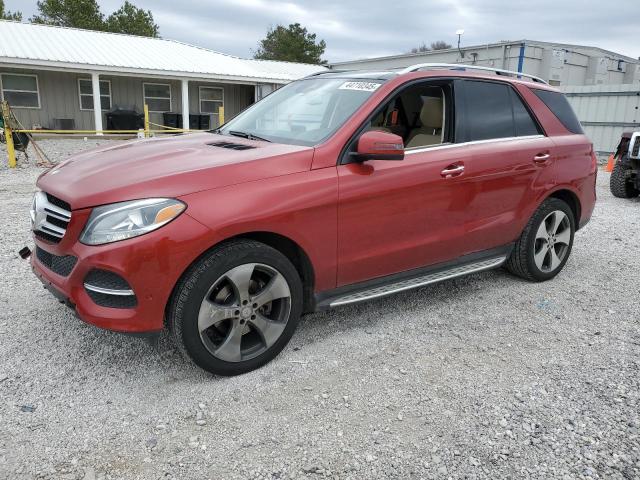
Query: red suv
x: 338, y: 188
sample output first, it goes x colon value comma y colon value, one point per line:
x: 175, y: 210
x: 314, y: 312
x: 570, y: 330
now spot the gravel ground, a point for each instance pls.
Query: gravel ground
x: 55, y: 151
x: 483, y: 377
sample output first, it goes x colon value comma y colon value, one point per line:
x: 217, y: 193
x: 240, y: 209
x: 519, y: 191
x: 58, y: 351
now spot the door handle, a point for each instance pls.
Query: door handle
x: 452, y: 171
x: 541, y: 158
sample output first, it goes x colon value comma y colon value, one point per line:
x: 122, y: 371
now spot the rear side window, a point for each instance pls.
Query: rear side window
x: 525, y: 124
x: 560, y: 107
x: 488, y: 111
x: 495, y: 110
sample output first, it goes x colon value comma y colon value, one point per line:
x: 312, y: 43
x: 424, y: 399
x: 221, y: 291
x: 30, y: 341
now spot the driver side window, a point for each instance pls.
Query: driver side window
x: 418, y: 114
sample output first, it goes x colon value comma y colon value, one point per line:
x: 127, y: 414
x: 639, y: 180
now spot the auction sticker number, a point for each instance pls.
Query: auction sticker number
x: 360, y: 86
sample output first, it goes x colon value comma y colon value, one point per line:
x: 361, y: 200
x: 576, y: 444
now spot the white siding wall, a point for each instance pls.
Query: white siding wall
x: 236, y: 99
x: 59, y: 98
x: 555, y: 63
x: 606, y: 111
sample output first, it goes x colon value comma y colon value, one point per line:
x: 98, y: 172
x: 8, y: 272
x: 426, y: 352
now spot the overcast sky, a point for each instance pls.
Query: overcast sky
x: 359, y: 29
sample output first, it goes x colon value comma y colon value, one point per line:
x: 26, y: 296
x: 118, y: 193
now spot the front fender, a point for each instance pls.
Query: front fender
x: 301, y: 207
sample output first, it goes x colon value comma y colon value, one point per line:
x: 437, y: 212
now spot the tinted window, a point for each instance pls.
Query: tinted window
x: 488, y: 111
x: 525, y: 124
x: 560, y: 107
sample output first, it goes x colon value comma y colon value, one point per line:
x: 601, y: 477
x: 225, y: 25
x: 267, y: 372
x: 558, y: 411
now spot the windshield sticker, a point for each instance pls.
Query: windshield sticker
x: 361, y: 86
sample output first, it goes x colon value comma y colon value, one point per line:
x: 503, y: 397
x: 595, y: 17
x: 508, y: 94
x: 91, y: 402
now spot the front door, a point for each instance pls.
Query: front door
x: 399, y: 215
x: 394, y: 216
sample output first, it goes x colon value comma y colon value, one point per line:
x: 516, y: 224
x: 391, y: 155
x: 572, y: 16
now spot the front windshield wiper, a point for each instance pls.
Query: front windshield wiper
x: 247, y: 135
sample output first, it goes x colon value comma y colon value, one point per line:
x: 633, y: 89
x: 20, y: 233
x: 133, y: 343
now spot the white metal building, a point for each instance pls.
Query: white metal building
x: 49, y: 74
x: 602, y: 86
x: 557, y: 63
x: 605, y: 111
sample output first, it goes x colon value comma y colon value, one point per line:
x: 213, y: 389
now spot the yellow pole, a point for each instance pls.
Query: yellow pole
x: 11, y: 151
x: 220, y: 115
x: 146, y: 120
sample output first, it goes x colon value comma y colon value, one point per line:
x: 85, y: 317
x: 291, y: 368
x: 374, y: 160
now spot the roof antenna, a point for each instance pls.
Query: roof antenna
x: 460, y: 32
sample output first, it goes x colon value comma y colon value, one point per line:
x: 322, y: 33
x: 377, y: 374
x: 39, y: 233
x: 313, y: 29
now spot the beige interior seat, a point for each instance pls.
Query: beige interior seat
x: 430, y: 131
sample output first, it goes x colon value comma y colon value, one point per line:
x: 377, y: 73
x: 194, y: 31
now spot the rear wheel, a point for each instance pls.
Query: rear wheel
x: 545, y: 244
x: 237, y: 307
x: 620, y: 184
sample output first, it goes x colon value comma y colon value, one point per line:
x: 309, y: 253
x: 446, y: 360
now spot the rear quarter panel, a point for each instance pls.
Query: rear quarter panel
x: 576, y: 170
x: 573, y: 166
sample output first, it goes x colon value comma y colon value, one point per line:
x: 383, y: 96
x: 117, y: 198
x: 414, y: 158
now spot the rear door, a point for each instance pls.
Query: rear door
x: 509, y: 160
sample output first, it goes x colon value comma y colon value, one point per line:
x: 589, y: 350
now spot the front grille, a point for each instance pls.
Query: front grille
x: 61, y: 265
x: 108, y: 289
x: 51, y: 217
x: 58, y: 202
x: 57, y: 222
x: 46, y: 237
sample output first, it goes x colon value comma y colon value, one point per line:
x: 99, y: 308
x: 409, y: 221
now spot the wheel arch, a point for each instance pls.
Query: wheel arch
x: 296, y: 255
x: 570, y: 198
x: 285, y: 245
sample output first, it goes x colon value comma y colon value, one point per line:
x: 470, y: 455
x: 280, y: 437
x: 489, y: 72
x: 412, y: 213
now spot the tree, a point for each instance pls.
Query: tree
x: 7, y: 15
x: 440, y: 45
x: 70, y: 13
x: 420, y: 49
x: 291, y: 44
x: 86, y: 14
x: 133, y: 21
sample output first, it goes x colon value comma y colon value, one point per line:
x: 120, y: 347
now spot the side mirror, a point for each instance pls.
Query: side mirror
x: 377, y: 145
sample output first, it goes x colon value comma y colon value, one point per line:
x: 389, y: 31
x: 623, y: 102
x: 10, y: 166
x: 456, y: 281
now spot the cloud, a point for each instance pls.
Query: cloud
x: 360, y: 29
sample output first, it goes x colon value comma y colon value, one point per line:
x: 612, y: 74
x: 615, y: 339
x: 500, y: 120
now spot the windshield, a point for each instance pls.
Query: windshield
x: 302, y: 113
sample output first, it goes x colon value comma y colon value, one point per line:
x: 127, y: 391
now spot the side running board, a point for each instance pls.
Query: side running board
x: 414, y: 282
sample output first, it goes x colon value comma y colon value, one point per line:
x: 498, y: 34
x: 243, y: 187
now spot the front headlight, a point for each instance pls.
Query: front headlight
x: 119, y: 221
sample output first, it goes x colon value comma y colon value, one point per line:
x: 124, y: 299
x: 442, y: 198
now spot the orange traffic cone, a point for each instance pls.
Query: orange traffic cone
x: 610, y: 164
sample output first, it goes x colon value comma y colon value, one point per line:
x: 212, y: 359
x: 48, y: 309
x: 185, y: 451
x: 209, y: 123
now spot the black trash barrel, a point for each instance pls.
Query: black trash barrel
x: 124, y: 118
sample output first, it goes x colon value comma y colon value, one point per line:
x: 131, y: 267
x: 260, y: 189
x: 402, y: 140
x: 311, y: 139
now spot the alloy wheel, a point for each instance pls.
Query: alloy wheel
x: 244, y: 312
x: 552, y: 241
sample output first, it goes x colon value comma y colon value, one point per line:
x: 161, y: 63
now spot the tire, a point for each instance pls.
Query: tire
x: 619, y: 184
x: 236, y: 308
x: 541, y: 252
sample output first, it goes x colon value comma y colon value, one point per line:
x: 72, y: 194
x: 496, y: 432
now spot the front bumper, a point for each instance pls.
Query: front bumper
x: 151, y: 264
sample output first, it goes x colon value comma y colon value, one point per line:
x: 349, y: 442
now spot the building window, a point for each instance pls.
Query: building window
x: 157, y: 96
x: 211, y: 99
x: 21, y: 91
x: 86, y: 94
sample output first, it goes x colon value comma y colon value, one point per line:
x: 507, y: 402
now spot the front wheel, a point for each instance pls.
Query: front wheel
x: 545, y: 244
x: 236, y: 308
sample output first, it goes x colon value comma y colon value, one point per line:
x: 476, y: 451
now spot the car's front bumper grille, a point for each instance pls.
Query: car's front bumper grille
x: 50, y: 216
x: 108, y: 289
x: 58, y: 264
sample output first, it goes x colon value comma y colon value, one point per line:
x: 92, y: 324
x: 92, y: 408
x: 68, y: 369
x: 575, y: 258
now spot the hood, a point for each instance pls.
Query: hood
x: 169, y: 167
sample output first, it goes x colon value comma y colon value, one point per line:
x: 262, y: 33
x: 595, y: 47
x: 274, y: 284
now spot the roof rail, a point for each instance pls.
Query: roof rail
x: 464, y: 67
x: 328, y: 70
x: 320, y: 72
